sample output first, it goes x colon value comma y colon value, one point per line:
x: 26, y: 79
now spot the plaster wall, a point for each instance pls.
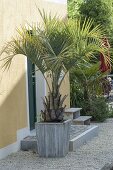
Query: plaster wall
x: 13, y: 93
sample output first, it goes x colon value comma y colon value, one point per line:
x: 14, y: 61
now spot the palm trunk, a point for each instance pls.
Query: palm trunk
x: 54, y: 104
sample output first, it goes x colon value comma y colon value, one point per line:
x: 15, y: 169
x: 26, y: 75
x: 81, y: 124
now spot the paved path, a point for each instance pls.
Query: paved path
x: 91, y: 156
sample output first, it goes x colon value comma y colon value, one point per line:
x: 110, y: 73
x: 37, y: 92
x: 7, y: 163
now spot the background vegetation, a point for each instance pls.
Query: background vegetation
x: 86, y: 86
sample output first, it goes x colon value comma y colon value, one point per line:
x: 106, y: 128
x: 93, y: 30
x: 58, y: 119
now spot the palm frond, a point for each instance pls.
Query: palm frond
x: 58, y: 46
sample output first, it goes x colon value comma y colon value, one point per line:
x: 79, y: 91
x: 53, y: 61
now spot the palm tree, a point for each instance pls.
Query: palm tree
x: 89, y: 80
x: 56, y: 49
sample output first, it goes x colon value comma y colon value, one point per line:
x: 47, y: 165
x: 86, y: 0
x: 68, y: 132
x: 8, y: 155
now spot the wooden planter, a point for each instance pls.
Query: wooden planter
x: 53, y: 138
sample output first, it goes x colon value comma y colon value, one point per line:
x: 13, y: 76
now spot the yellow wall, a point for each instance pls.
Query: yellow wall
x: 65, y: 90
x: 13, y: 111
x: 13, y: 114
x: 13, y: 107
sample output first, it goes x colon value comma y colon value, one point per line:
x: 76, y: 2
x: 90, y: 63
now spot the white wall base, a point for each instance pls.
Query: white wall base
x: 21, y: 134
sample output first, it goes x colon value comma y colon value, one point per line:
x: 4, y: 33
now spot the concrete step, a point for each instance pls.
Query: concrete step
x: 29, y: 143
x: 79, y: 135
x: 72, y: 113
x: 82, y: 120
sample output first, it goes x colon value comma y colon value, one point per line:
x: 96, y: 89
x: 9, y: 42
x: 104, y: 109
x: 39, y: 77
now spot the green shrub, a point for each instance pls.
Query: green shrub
x: 110, y: 112
x: 73, y: 6
x: 99, y: 109
x: 76, y: 94
x: 98, y: 10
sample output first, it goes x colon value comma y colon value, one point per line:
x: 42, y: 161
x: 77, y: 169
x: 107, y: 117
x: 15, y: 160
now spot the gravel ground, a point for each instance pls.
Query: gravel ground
x: 92, y: 156
x: 78, y: 129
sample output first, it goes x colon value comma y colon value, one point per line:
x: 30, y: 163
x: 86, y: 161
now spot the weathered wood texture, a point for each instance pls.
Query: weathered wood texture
x: 53, y: 138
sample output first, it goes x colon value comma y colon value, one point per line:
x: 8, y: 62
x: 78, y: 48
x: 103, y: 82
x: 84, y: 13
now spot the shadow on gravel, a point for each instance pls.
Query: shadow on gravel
x: 108, y: 167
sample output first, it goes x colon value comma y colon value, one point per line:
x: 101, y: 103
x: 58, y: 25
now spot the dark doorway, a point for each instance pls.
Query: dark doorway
x: 32, y: 94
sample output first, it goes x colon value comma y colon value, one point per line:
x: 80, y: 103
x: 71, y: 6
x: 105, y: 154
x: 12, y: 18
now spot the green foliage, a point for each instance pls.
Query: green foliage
x: 86, y: 81
x: 76, y: 94
x: 73, y: 6
x: 95, y: 107
x: 99, y: 11
x: 86, y: 85
x: 99, y: 109
x: 110, y: 112
x: 89, y: 80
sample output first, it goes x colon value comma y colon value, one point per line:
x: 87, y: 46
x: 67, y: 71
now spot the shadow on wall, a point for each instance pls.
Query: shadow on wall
x: 13, y: 108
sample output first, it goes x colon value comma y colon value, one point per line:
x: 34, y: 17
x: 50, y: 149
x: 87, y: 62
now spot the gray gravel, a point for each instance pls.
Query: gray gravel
x: 76, y: 130
x: 92, y: 156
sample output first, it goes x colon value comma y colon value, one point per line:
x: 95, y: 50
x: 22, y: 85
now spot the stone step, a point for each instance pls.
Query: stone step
x: 79, y: 135
x: 72, y: 113
x: 29, y: 143
x: 82, y: 120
